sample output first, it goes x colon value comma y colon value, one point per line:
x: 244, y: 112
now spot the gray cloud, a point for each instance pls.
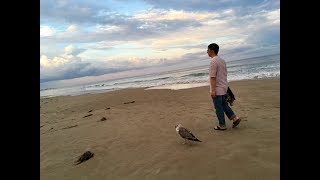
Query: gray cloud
x: 79, y: 69
x: 130, y: 30
x: 185, y: 47
x: 194, y: 56
x: 72, y: 11
x: 77, y: 51
x: 76, y: 69
x: 229, y: 53
x: 245, y: 20
x: 134, y: 29
x: 265, y: 37
x: 242, y: 6
x: 100, y: 12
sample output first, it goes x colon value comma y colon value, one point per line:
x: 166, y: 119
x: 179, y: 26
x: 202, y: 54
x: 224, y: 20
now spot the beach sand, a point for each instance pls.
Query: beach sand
x: 138, y: 140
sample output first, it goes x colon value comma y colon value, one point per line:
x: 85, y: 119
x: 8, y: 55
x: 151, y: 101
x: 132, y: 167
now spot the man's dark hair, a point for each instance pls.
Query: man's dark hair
x: 214, y: 47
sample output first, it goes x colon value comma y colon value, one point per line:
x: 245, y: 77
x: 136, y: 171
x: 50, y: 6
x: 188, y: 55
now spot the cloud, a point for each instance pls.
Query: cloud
x: 68, y: 49
x: 201, y: 5
x: 187, y: 25
x: 273, y: 16
x: 71, y: 50
x: 72, y: 28
x: 46, y: 31
x: 156, y: 15
x: 130, y: 29
x: 108, y: 28
x: 169, y: 32
x: 70, y: 11
x: 45, y: 62
x: 59, y: 68
x: 69, y: 65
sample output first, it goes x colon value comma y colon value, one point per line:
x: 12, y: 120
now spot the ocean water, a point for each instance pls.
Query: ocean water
x: 251, y: 68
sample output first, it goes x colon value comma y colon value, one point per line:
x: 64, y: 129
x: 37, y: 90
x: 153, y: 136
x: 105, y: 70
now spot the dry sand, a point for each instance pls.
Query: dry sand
x: 138, y: 140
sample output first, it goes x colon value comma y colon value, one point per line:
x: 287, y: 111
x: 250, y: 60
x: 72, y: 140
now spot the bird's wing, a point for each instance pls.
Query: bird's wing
x: 185, y: 133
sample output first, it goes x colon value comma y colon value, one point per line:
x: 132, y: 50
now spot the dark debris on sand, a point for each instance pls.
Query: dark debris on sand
x: 84, y: 157
x: 103, y: 119
x: 87, y: 115
x: 70, y: 127
x: 129, y: 102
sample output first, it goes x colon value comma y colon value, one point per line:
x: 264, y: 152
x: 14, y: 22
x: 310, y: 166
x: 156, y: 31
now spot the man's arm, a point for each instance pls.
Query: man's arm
x: 213, y: 86
x: 213, y: 75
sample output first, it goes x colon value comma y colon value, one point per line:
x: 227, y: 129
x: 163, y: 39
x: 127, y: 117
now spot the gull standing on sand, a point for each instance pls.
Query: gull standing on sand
x: 185, y: 133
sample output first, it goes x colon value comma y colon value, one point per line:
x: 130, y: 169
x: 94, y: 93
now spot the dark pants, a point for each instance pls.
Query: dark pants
x: 222, y: 107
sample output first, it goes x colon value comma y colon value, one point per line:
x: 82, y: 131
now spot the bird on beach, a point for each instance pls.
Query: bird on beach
x: 185, y: 133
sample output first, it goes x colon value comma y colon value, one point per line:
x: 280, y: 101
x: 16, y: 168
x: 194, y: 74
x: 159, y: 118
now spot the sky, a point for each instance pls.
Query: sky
x: 94, y: 40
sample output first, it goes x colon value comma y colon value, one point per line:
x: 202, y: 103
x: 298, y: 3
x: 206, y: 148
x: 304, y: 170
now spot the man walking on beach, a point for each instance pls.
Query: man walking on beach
x: 219, y: 87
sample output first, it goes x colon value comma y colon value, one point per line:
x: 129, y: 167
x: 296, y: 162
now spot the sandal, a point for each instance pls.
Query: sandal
x: 219, y: 128
x: 236, y: 123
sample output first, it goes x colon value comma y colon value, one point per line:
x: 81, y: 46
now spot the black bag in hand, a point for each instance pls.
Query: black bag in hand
x: 229, y: 97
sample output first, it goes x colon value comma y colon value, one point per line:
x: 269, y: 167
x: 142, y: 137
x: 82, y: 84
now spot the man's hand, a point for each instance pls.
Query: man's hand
x: 213, y: 94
